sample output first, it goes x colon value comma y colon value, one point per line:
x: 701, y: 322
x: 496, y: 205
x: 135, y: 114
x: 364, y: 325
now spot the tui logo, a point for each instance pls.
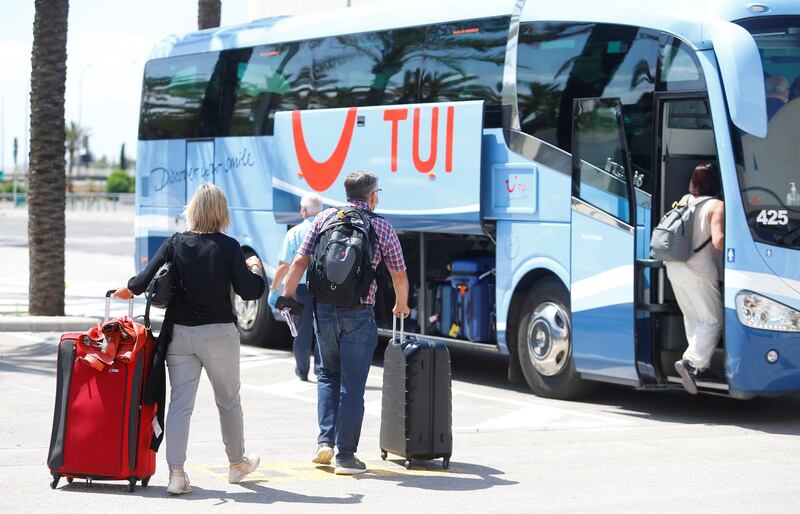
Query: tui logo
x: 320, y: 175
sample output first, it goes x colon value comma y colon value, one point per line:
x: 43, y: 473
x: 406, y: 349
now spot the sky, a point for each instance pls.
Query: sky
x: 108, y: 42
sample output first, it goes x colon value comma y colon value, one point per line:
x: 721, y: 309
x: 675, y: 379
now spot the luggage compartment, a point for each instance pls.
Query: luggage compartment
x: 458, y: 280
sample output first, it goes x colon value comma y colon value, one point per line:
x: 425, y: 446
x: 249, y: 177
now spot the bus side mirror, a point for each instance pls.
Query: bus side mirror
x: 742, y: 75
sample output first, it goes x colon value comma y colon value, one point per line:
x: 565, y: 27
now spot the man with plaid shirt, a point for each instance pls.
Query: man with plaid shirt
x: 347, y: 336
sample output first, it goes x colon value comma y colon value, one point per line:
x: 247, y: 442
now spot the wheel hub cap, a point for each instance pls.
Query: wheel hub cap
x: 548, y: 339
x: 246, y: 312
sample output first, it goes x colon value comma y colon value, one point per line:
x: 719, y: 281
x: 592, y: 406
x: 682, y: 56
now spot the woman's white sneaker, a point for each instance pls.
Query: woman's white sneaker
x: 178, y: 482
x: 240, y: 470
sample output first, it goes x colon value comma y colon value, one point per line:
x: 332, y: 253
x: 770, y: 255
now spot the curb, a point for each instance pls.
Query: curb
x: 53, y: 323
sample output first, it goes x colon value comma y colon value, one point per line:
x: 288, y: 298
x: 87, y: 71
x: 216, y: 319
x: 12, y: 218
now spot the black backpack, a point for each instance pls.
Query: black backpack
x: 341, y: 271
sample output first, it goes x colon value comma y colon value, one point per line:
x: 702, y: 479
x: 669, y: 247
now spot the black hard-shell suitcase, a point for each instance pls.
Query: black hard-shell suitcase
x: 416, y: 414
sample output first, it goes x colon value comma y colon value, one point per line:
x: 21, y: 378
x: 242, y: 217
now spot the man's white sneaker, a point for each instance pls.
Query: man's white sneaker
x: 178, y: 483
x: 324, y: 454
x: 240, y: 470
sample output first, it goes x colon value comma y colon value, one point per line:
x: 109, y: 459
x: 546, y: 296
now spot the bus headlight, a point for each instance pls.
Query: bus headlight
x: 757, y: 311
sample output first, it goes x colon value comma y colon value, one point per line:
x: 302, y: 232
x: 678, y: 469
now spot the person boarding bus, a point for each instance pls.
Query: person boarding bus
x: 696, y: 281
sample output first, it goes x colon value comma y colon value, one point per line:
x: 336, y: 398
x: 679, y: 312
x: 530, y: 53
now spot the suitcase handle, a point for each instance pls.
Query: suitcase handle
x: 109, y: 293
x: 394, y: 330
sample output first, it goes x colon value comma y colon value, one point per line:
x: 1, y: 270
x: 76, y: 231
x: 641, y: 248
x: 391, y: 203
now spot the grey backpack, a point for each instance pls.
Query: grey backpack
x: 672, y: 237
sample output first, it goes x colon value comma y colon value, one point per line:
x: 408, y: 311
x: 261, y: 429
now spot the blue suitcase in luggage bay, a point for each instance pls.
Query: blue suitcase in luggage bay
x: 446, y: 324
x: 473, y: 280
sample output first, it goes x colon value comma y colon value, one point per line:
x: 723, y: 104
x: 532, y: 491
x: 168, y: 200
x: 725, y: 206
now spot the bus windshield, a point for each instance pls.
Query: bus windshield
x: 769, y: 168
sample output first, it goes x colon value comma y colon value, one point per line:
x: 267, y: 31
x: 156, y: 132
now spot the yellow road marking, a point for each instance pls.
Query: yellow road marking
x: 294, y: 471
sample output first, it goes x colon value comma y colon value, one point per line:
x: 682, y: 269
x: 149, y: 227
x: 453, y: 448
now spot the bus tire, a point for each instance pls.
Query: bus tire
x: 257, y: 326
x: 544, y: 343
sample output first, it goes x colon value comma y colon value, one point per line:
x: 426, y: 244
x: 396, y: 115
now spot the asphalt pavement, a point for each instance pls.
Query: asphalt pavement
x: 618, y: 450
x: 99, y: 252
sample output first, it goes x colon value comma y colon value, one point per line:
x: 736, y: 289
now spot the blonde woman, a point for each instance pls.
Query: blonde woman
x: 202, y: 327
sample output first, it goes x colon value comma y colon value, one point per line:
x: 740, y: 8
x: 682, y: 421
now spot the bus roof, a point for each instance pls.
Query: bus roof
x: 683, y: 18
x: 330, y: 23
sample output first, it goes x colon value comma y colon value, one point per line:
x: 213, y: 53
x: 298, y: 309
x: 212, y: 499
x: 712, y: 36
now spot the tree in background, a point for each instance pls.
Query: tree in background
x: 209, y: 13
x: 123, y: 161
x: 46, y: 227
x: 120, y: 182
x: 75, y: 135
x: 86, y: 154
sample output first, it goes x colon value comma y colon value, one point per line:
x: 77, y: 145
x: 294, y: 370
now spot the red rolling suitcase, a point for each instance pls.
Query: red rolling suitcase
x: 101, y: 428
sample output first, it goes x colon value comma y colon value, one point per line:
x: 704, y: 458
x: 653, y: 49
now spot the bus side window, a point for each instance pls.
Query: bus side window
x: 561, y: 61
x: 263, y: 80
x: 464, y: 61
x: 600, y: 158
x: 181, y: 97
x: 678, y: 69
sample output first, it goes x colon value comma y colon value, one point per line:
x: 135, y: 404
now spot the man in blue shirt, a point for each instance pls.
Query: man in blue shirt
x: 777, y: 89
x: 310, y: 205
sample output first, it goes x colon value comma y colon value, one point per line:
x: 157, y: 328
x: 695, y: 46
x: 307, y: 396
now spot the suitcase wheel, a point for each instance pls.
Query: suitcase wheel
x: 69, y: 480
x: 54, y: 482
x: 146, y: 482
x: 384, y: 454
x: 446, y: 463
x: 131, y: 485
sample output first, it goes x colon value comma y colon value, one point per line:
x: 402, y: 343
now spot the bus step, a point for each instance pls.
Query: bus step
x: 716, y: 386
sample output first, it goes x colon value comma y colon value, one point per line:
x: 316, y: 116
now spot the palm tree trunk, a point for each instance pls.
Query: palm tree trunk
x: 209, y: 13
x: 46, y: 227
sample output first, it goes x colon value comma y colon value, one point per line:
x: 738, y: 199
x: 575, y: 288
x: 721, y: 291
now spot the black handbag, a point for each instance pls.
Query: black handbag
x: 164, y: 286
x: 161, y: 290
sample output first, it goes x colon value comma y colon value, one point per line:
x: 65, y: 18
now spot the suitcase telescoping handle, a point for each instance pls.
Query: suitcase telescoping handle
x: 395, y: 340
x: 109, y: 294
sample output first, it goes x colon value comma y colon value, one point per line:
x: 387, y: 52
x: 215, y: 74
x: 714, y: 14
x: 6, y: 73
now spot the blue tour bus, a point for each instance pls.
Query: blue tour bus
x: 525, y: 151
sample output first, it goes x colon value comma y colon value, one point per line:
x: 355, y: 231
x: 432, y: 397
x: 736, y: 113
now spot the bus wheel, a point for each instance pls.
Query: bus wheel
x: 544, y: 343
x: 255, y: 321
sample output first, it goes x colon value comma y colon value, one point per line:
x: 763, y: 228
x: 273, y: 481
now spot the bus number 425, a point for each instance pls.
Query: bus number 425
x: 772, y: 217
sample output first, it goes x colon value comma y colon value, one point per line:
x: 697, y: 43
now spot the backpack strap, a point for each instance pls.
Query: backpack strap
x: 702, y: 245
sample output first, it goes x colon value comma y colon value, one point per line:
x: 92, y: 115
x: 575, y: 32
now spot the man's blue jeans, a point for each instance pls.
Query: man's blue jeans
x: 346, y: 339
x: 303, y: 343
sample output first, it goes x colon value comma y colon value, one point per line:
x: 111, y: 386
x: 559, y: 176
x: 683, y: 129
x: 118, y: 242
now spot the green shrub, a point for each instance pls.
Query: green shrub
x: 8, y: 187
x: 120, y: 182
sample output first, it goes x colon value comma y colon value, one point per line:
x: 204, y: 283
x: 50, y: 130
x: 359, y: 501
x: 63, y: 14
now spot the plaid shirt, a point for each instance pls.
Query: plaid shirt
x: 388, y: 249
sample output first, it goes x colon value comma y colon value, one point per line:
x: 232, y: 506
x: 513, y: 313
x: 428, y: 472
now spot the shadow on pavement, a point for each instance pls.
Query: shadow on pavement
x: 460, y: 477
x: 769, y: 415
x: 254, y: 494
x: 36, y: 358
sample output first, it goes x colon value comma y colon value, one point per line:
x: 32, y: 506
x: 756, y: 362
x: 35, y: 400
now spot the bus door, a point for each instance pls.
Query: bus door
x: 603, y: 244
x: 685, y: 139
x: 199, y: 164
